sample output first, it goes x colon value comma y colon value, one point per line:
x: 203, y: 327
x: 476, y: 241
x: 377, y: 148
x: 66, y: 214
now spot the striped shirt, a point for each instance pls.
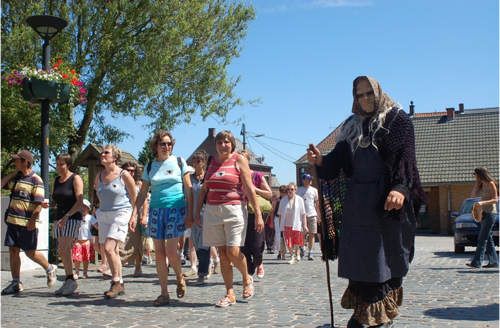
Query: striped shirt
x: 28, y: 193
x: 223, y: 182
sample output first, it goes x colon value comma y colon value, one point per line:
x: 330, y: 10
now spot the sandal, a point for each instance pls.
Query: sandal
x: 248, y: 290
x: 181, y: 289
x: 226, y: 301
x: 162, y: 300
x: 137, y: 273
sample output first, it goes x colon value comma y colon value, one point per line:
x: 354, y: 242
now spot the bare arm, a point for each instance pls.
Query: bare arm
x: 264, y: 190
x: 145, y: 210
x: 8, y: 177
x: 246, y: 180
x: 188, y: 190
x: 493, y: 194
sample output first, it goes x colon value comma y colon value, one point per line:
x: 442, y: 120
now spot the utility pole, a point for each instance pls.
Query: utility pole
x: 244, y: 134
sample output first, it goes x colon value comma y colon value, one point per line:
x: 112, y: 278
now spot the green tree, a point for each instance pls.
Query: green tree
x: 164, y: 59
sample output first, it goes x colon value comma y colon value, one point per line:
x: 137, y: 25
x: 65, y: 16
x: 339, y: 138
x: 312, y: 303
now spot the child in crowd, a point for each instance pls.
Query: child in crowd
x: 83, y: 251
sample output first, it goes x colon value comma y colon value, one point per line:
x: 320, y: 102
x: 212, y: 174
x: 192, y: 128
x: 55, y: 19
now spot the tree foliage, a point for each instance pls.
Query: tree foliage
x: 164, y: 59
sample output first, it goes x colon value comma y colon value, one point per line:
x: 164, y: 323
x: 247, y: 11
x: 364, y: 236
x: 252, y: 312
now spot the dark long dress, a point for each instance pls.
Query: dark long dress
x: 376, y: 246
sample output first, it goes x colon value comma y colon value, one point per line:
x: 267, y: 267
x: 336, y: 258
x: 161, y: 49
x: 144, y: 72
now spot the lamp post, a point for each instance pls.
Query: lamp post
x: 47, y: 27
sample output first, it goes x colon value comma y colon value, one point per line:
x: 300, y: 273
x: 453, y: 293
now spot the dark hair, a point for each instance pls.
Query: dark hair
x: 199, y: 155
x: 245, y: 154
x: 226, y: 134
x: 485, y: 176
x: 66, y: 158
x: 283, y: 188
x: 136, y: 168
x: 160, y: 134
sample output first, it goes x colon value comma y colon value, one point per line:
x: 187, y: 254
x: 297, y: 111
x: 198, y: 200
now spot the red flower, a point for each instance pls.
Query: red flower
x: 65, y: 76
x: 59, y: 61
x: 73, y: 71
x: 56, y: 65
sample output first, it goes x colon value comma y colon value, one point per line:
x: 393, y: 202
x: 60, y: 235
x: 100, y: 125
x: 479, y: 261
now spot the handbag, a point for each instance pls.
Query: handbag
x: 477, y: 212
x: 264, y: 205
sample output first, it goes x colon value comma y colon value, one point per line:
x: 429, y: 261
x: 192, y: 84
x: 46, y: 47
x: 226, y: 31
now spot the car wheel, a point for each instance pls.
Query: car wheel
x: 459, y: 249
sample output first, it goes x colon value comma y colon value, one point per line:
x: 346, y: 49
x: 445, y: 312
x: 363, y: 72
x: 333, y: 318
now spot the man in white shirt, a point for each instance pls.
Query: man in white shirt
x: 311, y: 202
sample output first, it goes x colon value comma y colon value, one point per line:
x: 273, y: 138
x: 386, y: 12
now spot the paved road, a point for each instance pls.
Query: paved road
x: 440, y: 291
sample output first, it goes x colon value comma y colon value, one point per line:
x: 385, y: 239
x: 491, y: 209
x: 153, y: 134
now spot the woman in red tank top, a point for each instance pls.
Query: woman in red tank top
x: 225, y: 218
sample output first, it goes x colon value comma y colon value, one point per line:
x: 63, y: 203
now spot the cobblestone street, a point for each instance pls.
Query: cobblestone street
x: 439, y: 291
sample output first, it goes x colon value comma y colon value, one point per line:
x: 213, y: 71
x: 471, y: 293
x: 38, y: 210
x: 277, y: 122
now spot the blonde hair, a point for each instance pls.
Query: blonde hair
x: 117, y: 153
x: 292, y: 184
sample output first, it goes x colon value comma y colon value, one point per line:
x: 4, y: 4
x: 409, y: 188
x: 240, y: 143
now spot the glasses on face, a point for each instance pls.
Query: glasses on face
x: 366, y: 94
x: 106, y: 152
x: 164, y: 144
x: 130, y: 170
x: 290, y: 189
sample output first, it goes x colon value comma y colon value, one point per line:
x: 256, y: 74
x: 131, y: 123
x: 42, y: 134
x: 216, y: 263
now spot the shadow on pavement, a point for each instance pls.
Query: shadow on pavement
x: 465, y: 255
x: 473, y: 313
x: 121, y: 302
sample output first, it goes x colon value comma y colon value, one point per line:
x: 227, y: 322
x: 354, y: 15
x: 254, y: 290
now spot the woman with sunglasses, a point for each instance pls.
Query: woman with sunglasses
x: 292, y: 213
x: 487, y: 188
x: 116, y: 192
x: 170, y: 209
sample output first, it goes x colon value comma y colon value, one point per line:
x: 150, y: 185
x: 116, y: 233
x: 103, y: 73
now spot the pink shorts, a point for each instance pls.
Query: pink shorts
x: 83, y: 252
x: 293, y: 237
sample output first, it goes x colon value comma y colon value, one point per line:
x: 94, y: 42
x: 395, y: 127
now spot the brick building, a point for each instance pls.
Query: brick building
x: 449, y: 145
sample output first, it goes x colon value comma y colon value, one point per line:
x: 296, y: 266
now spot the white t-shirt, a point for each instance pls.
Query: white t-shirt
x: 84, y: 232
x: 310, y: 196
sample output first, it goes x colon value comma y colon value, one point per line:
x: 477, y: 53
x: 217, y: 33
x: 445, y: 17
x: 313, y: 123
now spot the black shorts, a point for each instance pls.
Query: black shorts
x: 20, y: 237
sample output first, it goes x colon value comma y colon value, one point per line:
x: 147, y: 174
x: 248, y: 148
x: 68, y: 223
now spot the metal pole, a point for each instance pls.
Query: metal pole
x: 244, y: 133
x: 45, y: 124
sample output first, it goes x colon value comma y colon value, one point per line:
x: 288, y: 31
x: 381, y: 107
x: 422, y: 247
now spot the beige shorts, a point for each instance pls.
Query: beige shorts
x: 224, y: 225
x: 312, y: 224
x: 113, y: 224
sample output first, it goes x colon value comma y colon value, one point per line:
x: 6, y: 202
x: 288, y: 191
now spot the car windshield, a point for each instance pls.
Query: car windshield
x: 467, y: 205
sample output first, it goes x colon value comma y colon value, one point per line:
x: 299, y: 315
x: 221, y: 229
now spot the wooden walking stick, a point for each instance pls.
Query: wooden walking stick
x: 323, y: 244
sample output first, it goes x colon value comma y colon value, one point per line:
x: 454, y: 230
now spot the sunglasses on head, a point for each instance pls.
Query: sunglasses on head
x: 163, y: 144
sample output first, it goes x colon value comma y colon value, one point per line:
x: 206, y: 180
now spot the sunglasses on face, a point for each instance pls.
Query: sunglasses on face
x: 290, y: 189
x: 130, y: 170
x: 164, y: 144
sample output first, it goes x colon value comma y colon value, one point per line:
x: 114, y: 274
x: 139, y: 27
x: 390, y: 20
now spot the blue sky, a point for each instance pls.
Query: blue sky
x: 300, y: 57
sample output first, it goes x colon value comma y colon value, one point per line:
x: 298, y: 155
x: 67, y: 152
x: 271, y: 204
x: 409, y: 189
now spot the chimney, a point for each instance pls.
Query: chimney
x: 450, y: 113
x: 211, y: 132
x: 412, y: 108
x: 461, y: 108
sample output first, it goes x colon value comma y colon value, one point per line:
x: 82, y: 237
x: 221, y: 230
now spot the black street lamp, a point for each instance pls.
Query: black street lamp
x: 47, y: 27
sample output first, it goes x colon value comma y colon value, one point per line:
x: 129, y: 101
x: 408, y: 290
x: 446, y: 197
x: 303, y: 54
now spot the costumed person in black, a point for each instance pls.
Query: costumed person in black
x: 376, y: 152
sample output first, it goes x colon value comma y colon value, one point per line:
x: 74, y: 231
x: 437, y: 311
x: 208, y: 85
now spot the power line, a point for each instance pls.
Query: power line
x: 277, y: 139
x: 275, y: 151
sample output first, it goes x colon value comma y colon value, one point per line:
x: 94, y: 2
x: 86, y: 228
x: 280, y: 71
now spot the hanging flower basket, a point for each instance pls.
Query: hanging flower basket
x: 61, y: 84
x: 35, y: 90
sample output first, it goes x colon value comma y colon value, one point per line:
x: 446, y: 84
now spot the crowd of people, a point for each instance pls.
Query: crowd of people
x: 227, y: 215
x: 210, y: 212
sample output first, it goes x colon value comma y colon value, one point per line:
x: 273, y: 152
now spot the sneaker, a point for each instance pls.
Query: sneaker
x: 67, y: 288
x: 260, y: 271
x: 13, y: 288
x: 149, y: 260
x: 292, y: 261
x: 115, y: 289
x: 51, y: 276
x: 190, y: 273
x: 310, y: 258
x: 298, y: 258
